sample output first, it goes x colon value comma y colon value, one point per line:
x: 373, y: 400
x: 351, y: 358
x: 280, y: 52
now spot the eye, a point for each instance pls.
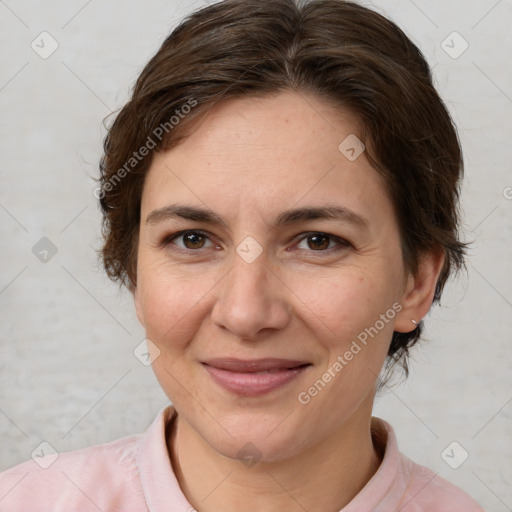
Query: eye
x: 192, y: 240
x: 321, y: 242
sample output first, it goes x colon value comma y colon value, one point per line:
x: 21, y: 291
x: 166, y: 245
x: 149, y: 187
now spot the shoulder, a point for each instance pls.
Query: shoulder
x: 426, y: 491
x: 52, y: 481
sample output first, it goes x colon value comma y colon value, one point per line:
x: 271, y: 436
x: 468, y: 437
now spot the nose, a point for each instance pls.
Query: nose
x: 251, y: 298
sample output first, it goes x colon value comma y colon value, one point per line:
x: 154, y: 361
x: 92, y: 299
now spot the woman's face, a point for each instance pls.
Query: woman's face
x: 254, y: 283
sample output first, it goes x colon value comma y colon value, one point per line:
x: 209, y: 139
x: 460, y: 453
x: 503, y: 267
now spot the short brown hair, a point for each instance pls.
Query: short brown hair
x: 337, y: 50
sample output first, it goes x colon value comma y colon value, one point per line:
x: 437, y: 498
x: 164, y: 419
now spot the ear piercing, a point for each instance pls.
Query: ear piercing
x: 414, y: 322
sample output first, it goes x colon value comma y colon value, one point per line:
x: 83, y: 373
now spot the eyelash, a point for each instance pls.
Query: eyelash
x: 342, y: 244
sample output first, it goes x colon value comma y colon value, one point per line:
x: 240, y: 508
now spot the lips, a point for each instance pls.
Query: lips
x: 254, y: 365
x: 253, y: 377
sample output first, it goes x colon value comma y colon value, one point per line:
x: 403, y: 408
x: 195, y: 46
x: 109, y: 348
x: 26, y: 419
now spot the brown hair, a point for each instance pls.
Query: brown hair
x: 338, y: 50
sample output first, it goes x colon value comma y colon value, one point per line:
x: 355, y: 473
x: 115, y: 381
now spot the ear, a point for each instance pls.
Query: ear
x: 138, y: 306
x: 419, y: 290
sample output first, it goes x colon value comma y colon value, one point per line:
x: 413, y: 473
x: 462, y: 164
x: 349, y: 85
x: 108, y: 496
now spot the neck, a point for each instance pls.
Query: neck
x: 331, y: 473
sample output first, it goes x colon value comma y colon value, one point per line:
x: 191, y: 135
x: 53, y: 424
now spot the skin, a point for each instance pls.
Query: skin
x: 249, y: 160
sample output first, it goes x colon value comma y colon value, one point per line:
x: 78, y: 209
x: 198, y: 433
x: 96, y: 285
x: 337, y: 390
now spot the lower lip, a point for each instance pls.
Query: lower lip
x: 253, y: 384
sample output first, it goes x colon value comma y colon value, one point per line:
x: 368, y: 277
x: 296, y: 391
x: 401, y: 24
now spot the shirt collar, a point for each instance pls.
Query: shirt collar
x: 162, y: 489
x: 383, y: 491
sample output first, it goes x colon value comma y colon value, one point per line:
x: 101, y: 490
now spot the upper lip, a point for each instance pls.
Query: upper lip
x: 253, y: 365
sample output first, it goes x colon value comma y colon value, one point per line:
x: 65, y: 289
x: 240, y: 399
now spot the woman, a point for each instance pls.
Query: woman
x: 280, y: 196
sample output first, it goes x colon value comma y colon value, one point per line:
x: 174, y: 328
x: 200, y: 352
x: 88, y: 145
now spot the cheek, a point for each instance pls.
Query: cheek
x: 171, y: 302
x: 343, y: 304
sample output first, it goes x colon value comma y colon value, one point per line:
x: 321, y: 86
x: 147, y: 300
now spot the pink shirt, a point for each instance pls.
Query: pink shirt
x: 134, y: 473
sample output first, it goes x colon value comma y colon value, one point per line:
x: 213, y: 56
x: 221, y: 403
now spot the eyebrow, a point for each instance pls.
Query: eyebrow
x: 293, y: 216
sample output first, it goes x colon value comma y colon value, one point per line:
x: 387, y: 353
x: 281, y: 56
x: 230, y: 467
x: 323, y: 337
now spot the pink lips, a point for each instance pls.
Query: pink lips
x: 255, y: 376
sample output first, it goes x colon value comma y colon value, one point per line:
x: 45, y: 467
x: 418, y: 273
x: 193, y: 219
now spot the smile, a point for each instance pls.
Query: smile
x: 253, y: 377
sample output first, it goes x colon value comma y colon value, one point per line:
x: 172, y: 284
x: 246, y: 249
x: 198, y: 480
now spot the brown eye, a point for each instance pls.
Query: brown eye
x: 193, y: 240
x: 319, y: 241
x: 187, y: 240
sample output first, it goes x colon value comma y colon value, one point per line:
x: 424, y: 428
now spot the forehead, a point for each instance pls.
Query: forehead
x: 266, y: 153
x: 289, y: 125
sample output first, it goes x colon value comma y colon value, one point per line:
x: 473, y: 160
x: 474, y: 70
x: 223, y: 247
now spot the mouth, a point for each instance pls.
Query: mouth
x: 253, y: 377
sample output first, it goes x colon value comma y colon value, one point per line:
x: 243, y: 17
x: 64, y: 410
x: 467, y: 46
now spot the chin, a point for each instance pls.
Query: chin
x: 250, y: 449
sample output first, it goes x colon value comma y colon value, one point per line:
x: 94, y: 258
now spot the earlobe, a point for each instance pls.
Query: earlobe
x: 419, y: 291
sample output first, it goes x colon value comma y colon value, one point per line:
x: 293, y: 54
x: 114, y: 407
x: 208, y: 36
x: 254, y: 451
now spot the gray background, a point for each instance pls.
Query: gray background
x: 67, y: 370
